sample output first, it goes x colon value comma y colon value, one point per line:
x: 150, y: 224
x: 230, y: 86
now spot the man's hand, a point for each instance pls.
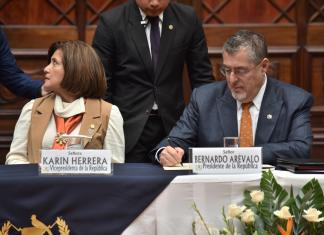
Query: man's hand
x: 171, y: 156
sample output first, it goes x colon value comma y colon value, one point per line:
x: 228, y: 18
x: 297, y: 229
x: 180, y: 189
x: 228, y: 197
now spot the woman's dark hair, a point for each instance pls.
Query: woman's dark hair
x: 84, y: 74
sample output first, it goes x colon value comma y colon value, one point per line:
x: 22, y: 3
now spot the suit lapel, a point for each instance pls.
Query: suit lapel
x: 41, y: 119
x: 169, y: 28
x: 91, y: 120
x: 227, y: 111
x: 269, y: 114
x: 137, y: 31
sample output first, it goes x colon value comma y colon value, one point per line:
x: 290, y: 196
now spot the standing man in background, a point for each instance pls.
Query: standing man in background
x: 144, y: 45
x: 12, y: 77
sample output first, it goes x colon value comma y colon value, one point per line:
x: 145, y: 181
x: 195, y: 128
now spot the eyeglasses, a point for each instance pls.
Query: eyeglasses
x: 238, y: 71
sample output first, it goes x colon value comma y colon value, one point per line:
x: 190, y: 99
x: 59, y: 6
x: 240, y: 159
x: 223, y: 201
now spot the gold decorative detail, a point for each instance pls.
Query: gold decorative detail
x: 171, y: 27
x: 59, y: 139
x: 39, y: 228
x: 63, y: 227
x: 91, y: 129
x: 5, y: 228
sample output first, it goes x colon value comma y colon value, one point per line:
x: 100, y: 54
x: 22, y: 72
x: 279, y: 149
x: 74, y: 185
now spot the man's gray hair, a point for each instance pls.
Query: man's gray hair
x: 254, y: 42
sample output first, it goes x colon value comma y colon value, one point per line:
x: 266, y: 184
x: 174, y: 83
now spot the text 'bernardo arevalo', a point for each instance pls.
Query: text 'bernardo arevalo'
x: 226, y: 160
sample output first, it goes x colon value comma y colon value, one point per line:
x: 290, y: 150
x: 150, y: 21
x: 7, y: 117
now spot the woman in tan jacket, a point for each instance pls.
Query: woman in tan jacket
x: 76, y: 77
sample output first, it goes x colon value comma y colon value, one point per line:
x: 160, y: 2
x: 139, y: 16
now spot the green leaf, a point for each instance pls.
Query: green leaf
x: 259, y: 226
x: 275, y: 196
x: 311, y: 195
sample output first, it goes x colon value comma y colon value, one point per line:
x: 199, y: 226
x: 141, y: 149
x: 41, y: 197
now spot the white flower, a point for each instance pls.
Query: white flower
x: 248, y: 216
x: 257, y: 196
x: 283, y: 213
x: 312, y: 215
x: 235, y: 211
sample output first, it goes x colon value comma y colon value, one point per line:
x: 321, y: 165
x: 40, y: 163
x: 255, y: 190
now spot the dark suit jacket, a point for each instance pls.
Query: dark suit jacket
x: 121, y: 42
x: 12, y: 77
x: 212, y: 115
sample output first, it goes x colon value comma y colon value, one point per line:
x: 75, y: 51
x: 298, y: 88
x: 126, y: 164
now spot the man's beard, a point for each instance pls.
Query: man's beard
x: 239, y: 96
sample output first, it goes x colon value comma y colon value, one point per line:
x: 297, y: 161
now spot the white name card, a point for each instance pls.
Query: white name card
x: 83, y: 161
x: 226, y: 160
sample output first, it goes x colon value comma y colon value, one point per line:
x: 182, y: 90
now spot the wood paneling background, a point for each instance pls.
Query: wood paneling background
x: 294, y: 30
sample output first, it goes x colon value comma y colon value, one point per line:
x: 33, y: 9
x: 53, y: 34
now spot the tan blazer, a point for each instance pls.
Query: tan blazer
x: 94, y: 123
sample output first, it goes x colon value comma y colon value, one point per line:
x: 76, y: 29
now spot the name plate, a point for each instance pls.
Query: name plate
x: 226, y: 160
x: 83, y: 161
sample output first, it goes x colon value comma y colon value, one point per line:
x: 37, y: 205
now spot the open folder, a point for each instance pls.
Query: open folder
x: 304, y: 166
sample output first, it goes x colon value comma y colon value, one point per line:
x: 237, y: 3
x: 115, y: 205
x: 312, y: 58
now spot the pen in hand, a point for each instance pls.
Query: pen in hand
x: 171, y: 143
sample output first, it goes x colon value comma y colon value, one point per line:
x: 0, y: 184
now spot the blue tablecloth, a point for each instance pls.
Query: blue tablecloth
x: 90, y: 205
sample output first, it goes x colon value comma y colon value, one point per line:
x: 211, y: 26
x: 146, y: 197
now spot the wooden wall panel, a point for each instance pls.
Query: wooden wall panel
x: 314, y: 69
x: 274, y: 34
x: 95, y: 7
x: 282, y: 63
x: 35, y: 12
x: 318, y: 130
x: 38, y: 37
x: 315, y: 34
x: 251, y: 11
x: 90, y: 31
x: 294, y: 30
x: 33, y: 64
x: 216, y: 61
x: 317, y: 75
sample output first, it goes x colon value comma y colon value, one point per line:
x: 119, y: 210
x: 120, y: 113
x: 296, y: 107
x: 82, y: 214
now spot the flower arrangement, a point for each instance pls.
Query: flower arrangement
x: 273, y: 211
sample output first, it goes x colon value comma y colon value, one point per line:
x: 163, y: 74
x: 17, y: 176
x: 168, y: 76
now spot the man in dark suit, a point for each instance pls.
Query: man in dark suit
x: 11, y: 75
x: 279, y: 113
x: 143, y: 45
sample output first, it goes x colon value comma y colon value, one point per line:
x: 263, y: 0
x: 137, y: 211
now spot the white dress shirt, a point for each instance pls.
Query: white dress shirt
x: 148, y: 27
x: 254, y: 109
x: 148, y: 31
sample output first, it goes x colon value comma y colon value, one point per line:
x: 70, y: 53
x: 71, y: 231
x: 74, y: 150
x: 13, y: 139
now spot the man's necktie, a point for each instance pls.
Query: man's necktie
x: 246, y: 134
x: 155, y: 39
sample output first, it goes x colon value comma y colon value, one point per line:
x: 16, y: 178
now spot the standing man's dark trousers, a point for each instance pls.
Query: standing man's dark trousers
x: 152, y: 134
